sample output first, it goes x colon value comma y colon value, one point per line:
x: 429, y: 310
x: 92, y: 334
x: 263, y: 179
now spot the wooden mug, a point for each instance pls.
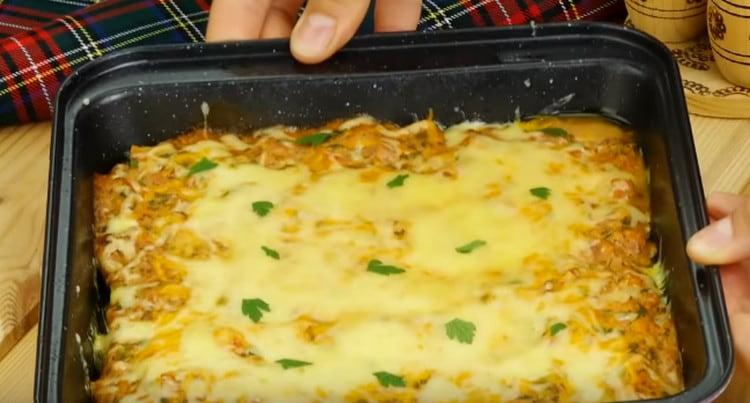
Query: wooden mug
x: 668, y: 20
x: 729, y: 33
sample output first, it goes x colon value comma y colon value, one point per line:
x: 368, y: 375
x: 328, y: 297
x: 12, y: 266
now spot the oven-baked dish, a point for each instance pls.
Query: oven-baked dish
x: 366, y: 262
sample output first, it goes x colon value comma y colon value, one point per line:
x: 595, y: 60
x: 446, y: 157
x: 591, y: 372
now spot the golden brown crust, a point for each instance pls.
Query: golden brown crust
x: 157, y: 184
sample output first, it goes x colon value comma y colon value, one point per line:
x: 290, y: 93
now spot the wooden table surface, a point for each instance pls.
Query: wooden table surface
x: 723, y: 148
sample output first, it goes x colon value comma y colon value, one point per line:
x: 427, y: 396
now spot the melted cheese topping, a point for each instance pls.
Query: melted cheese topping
x: 563, y: 310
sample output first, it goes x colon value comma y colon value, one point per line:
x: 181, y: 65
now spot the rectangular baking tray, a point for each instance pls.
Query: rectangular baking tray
x: 147, y: 95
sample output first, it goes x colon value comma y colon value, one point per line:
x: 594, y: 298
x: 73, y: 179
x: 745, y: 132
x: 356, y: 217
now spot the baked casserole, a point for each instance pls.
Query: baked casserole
x: 362, y: 261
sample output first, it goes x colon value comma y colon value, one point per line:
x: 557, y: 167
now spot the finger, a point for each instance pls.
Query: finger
x: 280, y: 19
x: 325, y: 26
x: 397, y: 15
x: 735, y: 281
x: 725, y: 241
x: 722, y: 204
x: 236, y: 19
x: 741, y: 218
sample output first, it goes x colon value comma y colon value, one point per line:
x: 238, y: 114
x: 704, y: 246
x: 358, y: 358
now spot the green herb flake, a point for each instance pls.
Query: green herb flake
x: 469, y: 247
x: 262, y: 208
x: 254, y: 308
x: 398, y: 181
x: 288, y: 363
x: 460, y: 330
x: 204, y: 164
x: 315, y: 139
x: 376, y: 266
x: 133, y: 163
x: 270, y: 252
x: 387, y: 379
x: 555, y: 132
x: 557, y: 328
x: 540, y: 192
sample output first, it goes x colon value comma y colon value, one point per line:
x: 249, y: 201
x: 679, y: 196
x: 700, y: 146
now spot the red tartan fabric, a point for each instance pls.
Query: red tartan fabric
x: 44, y: 41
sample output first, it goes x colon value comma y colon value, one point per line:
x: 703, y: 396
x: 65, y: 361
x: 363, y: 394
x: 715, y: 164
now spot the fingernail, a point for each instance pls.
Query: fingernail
x: 315, y: 34
x: 712, y: 240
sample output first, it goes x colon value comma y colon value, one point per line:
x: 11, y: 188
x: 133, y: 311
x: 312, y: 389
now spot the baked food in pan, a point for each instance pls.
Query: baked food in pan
x: 363, y: 261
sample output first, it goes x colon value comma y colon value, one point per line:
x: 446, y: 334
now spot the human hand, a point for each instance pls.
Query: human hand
x: 726, y: 242
x: 324, y: 27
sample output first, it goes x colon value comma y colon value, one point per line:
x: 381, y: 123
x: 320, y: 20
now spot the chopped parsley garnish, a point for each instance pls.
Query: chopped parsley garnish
x: 460, y: 330
x: 376, y: 266
x: 204, y: 164
x: 387, y: 379
x: 288, y: 363
x: 397, y: 181
x: 540, y: 192
x: 133, y: 163
x: 557, y: 328
x: 469, y: 247
x: 315, y: 139
x: 270, y: 252
x: 262, y: 208
x: 253, y: 308
x: 555, y: 132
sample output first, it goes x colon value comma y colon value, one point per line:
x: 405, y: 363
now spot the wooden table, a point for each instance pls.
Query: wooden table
x: 723, y: 149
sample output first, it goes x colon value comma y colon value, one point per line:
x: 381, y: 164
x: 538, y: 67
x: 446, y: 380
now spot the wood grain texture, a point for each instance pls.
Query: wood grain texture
x: 723, y: 148
x: 24, y: 160
x: 17, y: 370
x: 707, y: 92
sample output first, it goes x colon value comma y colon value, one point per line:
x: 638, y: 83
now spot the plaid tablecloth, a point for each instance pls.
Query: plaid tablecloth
x: 43, y: 41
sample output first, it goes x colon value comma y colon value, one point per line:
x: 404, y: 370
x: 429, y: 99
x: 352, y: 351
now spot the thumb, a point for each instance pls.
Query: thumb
x: 325, y: 27
x: 725, y: 241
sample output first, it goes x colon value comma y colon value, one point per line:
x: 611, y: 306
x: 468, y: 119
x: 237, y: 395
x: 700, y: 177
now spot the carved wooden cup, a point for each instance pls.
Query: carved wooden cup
x: 668, y: 20
x: 729, y: 33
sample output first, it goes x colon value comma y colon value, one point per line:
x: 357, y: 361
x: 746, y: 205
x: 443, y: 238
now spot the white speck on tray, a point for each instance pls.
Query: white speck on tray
x: 527, y: 83
x: 86, y: 101
x: 84, y: 363
x: 205, y: 109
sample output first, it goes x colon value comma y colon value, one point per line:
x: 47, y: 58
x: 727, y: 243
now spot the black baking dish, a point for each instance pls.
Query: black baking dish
x: 147, y: 95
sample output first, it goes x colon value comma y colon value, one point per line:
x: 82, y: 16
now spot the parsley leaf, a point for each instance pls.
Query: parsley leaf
x: 133, y: 163
x: 262, y: 208
x: 460, y: 330
x: 397, y: 181
x: 557, y: 328
x: 469, y: 247
x: 270, y: 252
x: 387, y: 379
x: 315, y: 139
x: 253, y: 308
x: 555, y: 132
x: 204, y: 164
x: 376, y: 266
x: 288, y: 363
x: 540, y: 192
